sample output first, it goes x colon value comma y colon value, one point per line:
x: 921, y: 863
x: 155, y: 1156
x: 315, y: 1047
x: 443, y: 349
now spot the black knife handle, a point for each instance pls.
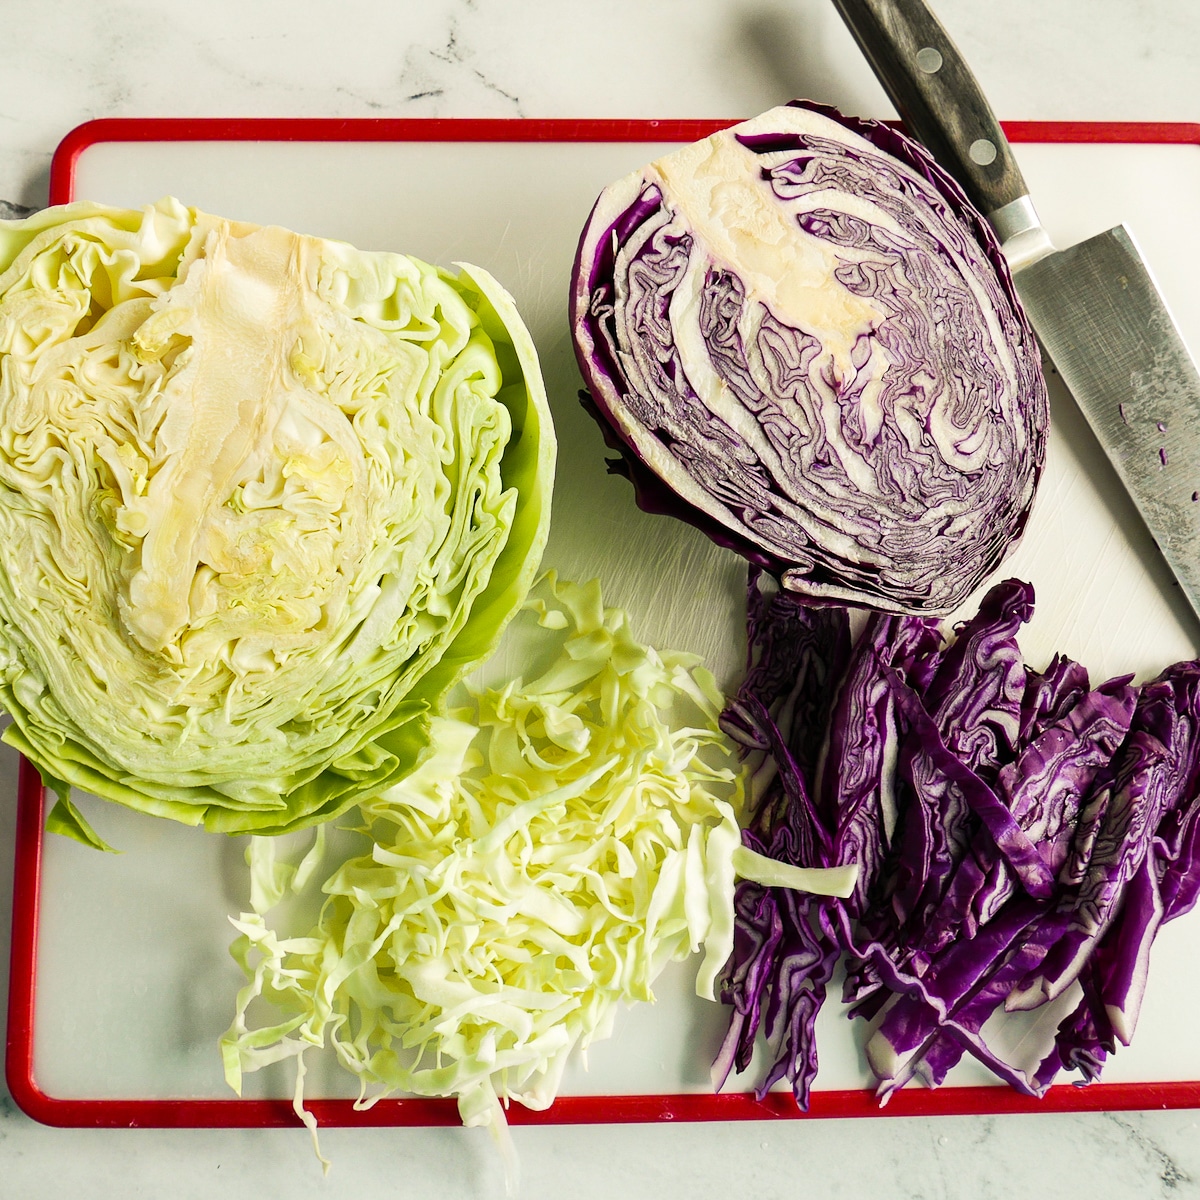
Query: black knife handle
x: 936, y: 96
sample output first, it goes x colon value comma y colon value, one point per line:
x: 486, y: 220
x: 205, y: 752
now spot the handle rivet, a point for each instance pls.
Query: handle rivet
x: 982, y: 152
x: 929, y: 60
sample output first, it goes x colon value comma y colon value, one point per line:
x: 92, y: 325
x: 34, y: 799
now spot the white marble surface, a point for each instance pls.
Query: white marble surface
x: 1038, y: 59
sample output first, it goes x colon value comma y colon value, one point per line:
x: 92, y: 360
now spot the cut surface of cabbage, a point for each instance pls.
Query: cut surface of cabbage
x: 264, y: 498
x: 801, y: 339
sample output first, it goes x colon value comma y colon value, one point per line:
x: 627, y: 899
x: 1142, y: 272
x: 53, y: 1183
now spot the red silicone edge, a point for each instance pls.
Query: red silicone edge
x: 566, y: 1110
x: 499, y: 129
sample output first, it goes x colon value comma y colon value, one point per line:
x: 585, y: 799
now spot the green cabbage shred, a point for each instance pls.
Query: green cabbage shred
x: 561, y: 842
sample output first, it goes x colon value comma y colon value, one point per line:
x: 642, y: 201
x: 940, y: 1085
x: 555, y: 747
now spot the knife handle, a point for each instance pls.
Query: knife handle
x: 937, y: 97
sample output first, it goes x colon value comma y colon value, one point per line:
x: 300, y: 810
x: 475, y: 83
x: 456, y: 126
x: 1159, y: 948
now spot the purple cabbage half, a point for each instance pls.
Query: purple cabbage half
x: 1021, y: 835
x: 802, y: 339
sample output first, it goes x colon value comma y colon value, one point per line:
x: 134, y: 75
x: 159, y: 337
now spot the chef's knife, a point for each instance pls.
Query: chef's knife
x: 1095, y: 306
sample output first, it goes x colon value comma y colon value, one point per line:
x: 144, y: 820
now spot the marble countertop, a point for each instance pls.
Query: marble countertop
x: 1037, y: 59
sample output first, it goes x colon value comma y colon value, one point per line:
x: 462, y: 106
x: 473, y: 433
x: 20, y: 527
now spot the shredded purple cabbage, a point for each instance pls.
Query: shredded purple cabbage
x: 1022, y: 837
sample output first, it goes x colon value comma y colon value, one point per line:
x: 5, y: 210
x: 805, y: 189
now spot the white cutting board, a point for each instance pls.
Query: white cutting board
x: 134, y: 981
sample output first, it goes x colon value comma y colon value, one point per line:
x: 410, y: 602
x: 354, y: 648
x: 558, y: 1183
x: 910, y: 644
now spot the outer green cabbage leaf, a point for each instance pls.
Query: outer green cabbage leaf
x: 264, y: 498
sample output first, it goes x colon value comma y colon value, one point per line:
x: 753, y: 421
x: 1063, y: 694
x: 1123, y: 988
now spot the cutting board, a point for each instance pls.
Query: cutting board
x: 121, y: 980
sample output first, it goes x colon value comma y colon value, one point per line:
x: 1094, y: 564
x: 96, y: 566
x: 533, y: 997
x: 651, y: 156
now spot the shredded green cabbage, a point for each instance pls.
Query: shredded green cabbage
x: 562, y: 841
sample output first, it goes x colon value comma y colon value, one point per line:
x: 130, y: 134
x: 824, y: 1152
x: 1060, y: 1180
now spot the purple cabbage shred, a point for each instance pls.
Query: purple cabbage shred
x: 1021, y: 837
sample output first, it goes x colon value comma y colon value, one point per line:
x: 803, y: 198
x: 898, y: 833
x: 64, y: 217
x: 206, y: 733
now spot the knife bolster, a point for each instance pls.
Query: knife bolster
x: 1018, y: 216
x: 1020, y: 231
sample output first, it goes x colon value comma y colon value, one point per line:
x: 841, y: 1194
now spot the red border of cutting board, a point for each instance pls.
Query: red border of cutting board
x: 170, y: 1113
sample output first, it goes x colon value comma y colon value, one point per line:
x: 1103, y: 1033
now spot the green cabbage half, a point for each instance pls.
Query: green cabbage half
x: 263, y: 499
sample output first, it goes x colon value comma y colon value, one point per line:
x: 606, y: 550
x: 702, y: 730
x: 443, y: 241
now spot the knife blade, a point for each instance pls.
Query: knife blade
x: 1096, y: 308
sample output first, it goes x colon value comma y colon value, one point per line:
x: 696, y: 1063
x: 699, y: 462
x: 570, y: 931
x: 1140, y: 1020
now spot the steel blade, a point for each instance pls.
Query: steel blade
x: 1102, y: 320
